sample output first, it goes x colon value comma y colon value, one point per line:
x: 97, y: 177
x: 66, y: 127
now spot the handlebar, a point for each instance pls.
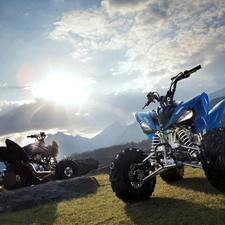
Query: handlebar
x: 193, y: 70
x: 151, y: 96
x: 41, y: 135
x: 186, y: 73
x: 32, y: 136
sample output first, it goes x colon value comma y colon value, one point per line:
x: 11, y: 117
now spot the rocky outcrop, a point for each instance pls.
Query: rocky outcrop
x: 43, y: 193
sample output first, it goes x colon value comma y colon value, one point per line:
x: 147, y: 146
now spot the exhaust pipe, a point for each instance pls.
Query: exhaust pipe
x: 40, y: 172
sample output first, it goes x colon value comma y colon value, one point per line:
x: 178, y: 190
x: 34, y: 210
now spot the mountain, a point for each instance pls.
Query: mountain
x: 133, y: 133
x: 217, y: 94
x: 114, y: 134
x: 216, y: 97
x: 69, y: 144
x: 109, y: 134
x: 213, y: 102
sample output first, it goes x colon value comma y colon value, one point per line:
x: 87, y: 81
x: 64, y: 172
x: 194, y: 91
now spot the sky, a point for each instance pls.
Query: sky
x: 76, y: 66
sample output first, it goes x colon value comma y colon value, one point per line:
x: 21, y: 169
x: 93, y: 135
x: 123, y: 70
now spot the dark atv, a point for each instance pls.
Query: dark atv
x: 34, y: 163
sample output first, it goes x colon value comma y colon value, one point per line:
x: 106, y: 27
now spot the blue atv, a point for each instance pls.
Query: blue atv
x: 182, y: 134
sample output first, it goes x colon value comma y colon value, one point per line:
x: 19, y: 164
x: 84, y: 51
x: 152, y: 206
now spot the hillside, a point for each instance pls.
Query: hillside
x: 105, y: 155
x: 217, y: 94
x: 213, y: 102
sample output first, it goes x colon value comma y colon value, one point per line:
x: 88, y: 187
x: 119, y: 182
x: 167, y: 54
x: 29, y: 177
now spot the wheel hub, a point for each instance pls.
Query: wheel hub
x: 136, y: 174
x: 18, y: 178
x: 68, y: 171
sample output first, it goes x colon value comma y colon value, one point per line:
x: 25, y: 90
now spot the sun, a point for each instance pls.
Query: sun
x: 63, y: 88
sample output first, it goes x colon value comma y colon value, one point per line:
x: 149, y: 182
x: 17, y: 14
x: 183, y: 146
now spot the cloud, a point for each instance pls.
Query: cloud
x: 156, y: 36
x: 158, y: 39
x: 125, y: 6
x: 41, y: 114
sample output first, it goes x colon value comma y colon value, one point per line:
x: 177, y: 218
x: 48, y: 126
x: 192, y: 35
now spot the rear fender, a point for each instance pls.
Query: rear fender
x: 2, y: 153
x: 215, y: 115
x: 14, y: 152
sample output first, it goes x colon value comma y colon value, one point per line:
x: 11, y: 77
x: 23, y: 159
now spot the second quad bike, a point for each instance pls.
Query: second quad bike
x: 185, y: 133
x: 34, y: 163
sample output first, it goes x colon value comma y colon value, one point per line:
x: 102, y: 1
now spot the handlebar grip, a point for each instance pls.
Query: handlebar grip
x: 195, y: 69
x: 31, y: 136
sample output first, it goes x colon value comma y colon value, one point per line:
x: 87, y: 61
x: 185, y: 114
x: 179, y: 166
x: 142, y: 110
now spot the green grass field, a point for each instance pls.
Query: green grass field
x: 189, y: 201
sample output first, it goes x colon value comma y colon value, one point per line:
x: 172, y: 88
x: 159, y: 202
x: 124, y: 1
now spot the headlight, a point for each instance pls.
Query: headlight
x: 146, y: 129
x: 186, y: 115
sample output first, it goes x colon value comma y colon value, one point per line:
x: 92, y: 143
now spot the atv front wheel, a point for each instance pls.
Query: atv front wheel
x: 126, y: 175
x: 213, y: 157
x: 173, y: 174
x: 66, y: 169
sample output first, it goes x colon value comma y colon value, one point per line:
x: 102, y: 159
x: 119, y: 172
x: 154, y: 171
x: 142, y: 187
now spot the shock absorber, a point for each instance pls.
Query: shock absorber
x: 155, y: 142
x: 185, y: 139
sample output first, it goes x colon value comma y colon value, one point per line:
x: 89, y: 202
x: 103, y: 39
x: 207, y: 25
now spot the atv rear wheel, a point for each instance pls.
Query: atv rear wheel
x: 173, y: 174
x: 213, y: 157
x: 66, y: 169
x: 126, y: 175
x: 17, y: 177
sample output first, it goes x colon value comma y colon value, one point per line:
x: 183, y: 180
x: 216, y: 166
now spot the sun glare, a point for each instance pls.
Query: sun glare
x: 64, y: 89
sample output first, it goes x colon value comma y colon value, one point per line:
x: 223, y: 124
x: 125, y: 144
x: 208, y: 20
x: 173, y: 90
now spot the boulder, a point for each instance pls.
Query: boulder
x: 43, y: 193
x: 87, y: 165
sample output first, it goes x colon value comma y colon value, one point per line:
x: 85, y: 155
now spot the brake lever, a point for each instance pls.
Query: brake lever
x: 147, y: 104
x: 151, y: 98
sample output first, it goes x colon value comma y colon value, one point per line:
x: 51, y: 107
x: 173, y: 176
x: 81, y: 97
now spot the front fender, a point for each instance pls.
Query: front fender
x: 146, y: 117
x: 215, y: 115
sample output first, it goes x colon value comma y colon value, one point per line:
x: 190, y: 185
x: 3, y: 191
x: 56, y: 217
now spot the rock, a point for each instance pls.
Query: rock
x: 87, y: 165
x: 43, y: 193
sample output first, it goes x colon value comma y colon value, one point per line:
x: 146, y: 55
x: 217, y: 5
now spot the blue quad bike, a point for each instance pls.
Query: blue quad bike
x: 182, y: 134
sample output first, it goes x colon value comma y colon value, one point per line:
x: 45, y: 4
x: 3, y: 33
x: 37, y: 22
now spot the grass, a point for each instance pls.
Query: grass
x: 189, y: 201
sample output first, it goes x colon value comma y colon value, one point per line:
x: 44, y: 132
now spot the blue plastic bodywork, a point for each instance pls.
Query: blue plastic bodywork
x: 204, y: 119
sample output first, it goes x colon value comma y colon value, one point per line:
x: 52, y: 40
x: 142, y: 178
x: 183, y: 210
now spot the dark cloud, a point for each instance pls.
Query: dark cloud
x: 152, y: 16
x: 46, y: 115
x: 37, y: 115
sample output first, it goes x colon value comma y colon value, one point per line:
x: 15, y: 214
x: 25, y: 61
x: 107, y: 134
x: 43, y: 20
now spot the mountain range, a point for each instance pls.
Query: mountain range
x: 114, y: 134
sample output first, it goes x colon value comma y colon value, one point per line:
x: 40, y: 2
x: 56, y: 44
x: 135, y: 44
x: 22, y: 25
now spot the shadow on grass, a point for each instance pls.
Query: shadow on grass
x: 38, y: 204
x: 171, y: 211
x: 42, y: 214
x: 196, y: 184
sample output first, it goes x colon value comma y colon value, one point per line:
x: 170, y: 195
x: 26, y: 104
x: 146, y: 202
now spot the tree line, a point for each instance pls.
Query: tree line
x: 107, y: 154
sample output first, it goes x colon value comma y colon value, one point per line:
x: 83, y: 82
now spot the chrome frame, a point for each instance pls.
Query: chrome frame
x: 168, y: 161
